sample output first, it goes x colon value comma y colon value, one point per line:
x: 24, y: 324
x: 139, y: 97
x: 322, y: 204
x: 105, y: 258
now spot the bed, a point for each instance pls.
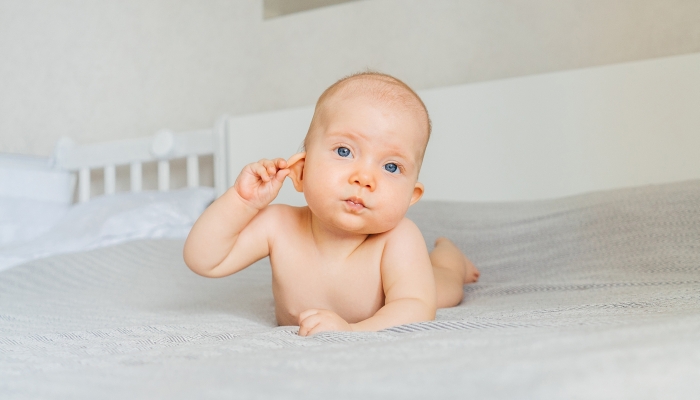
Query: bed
x: 38, y: 217
x: 593, y: 295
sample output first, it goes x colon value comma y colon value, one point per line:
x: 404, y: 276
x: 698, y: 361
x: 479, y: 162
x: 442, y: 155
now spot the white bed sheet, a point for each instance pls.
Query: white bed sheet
x: 109, y: 220
x: 594, y: 296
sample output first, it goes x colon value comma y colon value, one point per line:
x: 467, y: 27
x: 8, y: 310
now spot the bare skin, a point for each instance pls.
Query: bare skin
x: 450, y: 267
x: 350, y: 260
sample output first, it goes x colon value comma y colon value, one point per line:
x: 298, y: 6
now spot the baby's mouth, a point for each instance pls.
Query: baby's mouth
x: 355, y: 203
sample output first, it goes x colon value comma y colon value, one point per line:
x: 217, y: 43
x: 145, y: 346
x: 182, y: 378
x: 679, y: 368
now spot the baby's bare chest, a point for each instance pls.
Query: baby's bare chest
x: 302, y: 280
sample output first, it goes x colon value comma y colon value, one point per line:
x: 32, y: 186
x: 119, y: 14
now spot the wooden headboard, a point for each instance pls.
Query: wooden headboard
x: 163, y: 147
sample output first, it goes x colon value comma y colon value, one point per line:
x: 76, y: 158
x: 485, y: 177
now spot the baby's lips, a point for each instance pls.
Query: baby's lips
x: 356, y: 200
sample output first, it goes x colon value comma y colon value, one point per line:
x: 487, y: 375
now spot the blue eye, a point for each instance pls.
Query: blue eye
x: 343, y: 151
x: 391, y: 167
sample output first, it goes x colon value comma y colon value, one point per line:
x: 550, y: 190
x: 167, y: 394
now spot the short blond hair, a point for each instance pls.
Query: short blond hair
x: 385, y: 90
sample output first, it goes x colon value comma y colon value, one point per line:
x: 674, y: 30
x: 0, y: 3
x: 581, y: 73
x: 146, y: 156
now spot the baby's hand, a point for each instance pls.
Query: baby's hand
x: 314, y: 321
x: 260, y: 182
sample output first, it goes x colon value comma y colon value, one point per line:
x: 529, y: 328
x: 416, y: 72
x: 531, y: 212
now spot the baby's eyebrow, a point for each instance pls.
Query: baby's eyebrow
x: 347, y: 134
x: 405, y: 158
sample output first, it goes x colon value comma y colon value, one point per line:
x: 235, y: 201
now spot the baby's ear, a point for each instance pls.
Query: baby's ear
x: 417, y: 193
x: 296, y: 168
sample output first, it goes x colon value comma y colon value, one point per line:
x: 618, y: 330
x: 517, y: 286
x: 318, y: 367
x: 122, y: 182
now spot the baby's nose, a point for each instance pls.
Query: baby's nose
x: 363, y: 178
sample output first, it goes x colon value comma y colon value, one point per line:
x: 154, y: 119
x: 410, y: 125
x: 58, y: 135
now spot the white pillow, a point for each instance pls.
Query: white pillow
x: 108, y: 220
x: 33, y: 178
x: 33, y: 197
x: 22, y: 220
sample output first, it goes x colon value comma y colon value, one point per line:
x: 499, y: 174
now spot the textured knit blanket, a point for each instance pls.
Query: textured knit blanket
x: 591, y: 296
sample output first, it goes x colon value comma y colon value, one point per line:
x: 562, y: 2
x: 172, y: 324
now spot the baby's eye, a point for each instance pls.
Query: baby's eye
x: 391, y: 167
x: 343, y: 151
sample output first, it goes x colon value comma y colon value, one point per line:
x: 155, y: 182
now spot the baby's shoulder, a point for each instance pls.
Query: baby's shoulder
x: 404, y: 249
x: 282, y: 215
x: 405, y: 232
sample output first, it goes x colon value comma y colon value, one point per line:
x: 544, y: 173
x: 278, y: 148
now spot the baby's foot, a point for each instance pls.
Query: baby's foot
x: 472, y: 274
x: 469, y: 271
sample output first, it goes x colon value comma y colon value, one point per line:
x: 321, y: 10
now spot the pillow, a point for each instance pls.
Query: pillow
x: 108, y: 220
x: 33, y: 197
x: 22, y: 220
x: 30, y: 177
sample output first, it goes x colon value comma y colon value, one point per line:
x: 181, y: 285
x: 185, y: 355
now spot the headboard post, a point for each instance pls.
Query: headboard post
x: 110, y: 178
x: 220, y: 152
x: 84, y: 184
x: 136, y: 176
x: 192, y: 171
x: 161, y: 148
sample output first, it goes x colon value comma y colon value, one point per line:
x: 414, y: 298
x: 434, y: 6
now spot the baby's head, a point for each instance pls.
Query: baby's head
x: 363, y: 153
x: 379, y: 88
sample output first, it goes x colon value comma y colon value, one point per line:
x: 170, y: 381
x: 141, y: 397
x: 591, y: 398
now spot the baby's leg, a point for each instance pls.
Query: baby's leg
x: 452, y: 270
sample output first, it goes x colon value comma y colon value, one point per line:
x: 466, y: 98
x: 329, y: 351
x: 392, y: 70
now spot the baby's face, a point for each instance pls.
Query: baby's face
x: 362, y: 164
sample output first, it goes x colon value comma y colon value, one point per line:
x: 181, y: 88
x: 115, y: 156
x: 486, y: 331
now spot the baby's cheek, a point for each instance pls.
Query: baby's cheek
x: 392, y: 216
x: 315, y: 193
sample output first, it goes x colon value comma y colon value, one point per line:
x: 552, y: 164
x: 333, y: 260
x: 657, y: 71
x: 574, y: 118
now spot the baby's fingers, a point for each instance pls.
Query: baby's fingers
x: 320, y: 327
x: 281, y: 174
x: 260, y: 170
x: 270, y: 166
x: 306, y: 314
x: 281, y: 163
x: 308, y: 324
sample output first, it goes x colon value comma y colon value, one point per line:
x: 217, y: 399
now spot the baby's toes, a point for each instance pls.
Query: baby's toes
x: 471, y: 278
x: 472, y: 274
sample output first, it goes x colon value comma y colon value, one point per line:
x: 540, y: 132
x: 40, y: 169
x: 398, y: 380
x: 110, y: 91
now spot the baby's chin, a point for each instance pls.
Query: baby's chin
x: 360, y: 225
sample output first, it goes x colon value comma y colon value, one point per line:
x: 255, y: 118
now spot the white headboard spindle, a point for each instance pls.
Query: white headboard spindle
x: 161, y: 148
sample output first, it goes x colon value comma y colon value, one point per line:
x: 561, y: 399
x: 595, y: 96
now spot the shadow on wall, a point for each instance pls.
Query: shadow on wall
x: 278, y: 8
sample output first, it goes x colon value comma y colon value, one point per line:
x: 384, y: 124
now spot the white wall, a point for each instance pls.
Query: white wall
x: 533, y: 137
x: 268, y: 135
x: 566, y: 132
x: 110, y: 69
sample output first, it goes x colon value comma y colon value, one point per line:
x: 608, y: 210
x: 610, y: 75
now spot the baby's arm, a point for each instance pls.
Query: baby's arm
x: 232, y: 232
x: 408, y: 282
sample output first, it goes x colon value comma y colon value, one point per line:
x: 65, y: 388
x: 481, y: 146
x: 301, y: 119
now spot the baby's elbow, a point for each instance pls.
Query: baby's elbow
x: 426, y: 314
x: 194, y: 267
x: 195, y: 264
x: 429, y: 307
x: 189, y: 258
x: 189, y: 254
x: 204, y: 271
x: 430, y: 312
x: 208, y: 271
x: 426, y: 311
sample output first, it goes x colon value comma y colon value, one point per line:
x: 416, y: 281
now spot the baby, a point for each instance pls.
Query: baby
x: 350, y: 260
